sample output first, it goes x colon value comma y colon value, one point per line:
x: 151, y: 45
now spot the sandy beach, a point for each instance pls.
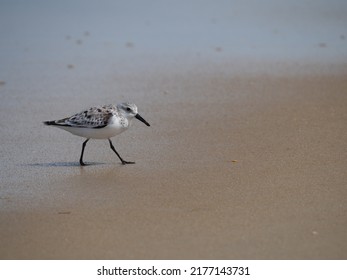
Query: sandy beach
x: 245, y: 157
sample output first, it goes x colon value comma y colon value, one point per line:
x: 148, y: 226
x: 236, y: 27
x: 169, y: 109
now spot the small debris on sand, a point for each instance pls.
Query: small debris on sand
x: 129, y: 45
x: 64, y: 212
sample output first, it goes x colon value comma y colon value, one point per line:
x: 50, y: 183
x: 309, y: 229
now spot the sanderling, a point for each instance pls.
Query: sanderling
x: 100, y: 122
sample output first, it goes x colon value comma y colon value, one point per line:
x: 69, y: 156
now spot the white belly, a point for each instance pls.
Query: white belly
x: 96, y: 133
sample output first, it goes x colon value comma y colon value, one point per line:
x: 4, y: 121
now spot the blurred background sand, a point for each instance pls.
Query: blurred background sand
x: 246, y: 154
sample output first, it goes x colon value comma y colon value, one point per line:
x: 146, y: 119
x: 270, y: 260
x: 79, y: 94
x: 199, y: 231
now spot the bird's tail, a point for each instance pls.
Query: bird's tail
x: 49, y: 123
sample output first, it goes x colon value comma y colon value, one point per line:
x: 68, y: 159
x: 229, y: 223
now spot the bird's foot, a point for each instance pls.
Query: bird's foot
x: 124, y: 162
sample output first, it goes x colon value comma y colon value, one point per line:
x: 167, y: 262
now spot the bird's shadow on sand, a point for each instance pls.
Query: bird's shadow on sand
x: 63, y: 164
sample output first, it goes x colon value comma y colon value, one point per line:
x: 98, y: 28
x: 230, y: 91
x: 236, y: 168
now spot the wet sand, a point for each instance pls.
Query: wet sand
x: 245, y: 157
x: 233, y: 167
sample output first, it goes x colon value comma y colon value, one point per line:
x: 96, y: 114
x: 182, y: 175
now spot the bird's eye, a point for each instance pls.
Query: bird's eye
x: 128, y: 109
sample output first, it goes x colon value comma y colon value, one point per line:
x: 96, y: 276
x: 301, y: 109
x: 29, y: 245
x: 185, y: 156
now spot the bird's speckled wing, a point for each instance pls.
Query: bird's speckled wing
x: 94, y: 117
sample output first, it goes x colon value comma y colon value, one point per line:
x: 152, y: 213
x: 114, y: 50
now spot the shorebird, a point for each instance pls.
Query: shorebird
x: 100, y: 122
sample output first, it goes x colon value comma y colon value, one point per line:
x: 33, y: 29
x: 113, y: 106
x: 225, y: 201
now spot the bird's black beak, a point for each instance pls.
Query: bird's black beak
x: 142, y: 119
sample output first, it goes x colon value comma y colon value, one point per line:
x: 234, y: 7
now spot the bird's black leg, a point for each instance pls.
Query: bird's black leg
x: 122, y: 160
x: 83, y: 146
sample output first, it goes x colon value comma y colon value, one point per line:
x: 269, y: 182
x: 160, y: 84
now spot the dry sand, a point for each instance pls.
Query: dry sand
x: 246, y: 154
